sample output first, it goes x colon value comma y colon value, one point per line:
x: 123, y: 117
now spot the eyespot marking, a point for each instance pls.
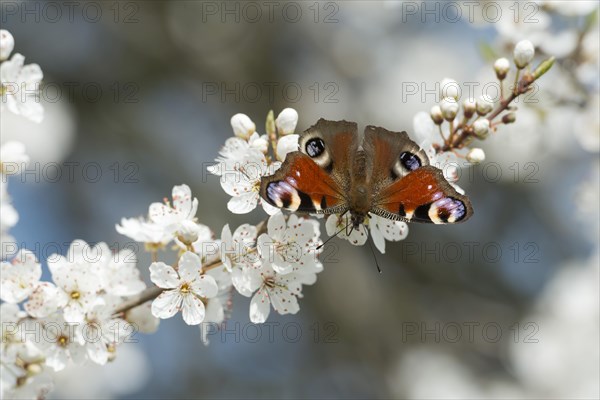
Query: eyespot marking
x: 447, y: 210
x: 315, y: 147
x: 410, y: 161
x: 283, y: 195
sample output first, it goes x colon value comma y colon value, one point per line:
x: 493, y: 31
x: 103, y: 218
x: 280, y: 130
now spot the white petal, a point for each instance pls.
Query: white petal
x: 260, y: 307
x: 243, y: 204
x: 285, y: 145
x: 286, y: 121
x: 391, y: 230
x: 269, y: 209
x: 97, y: 352
x: 332, y: 225
x: 163, y: 275
x: 246, y: 280
x: 378, y: 239
x: 205, y: 286
x: 192, y: 310
x: 189, y: 266
x: 166, y: 304
x: 74, y: 312
x: 424, y: 128
x: 45, y: 300
x: 358, y: 236
x: 276, y: 226
x: 283, y: 301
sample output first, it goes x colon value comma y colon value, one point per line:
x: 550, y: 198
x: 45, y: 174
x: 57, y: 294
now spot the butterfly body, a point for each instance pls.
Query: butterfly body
x: 384, y: 173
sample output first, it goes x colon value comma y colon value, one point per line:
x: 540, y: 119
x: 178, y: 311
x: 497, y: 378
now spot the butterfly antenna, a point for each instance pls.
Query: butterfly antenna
x: 331, y: 237
x: 374, y: 255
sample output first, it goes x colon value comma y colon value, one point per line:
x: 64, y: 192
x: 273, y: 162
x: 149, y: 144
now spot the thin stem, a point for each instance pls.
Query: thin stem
x: 146, y: 295
x: 515, y: 90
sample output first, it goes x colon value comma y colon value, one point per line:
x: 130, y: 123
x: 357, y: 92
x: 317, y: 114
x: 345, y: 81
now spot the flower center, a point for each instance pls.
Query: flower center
x: 185, y: 288
x: 63, y: 341
x: 75, y: 295
x: 269, y: 282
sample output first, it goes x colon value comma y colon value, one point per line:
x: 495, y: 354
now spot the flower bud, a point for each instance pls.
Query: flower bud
x: 509, y: 118
x: 286, y: 145
x: 242, y: 125
x: 7, y: 44
x: 187, y: 232
x: 436, y: 115
x: 449, y: 108
x: 260, y: 144
x: 476, y: 155
x: 469, y: 107
x: 523, y: 54
x: 449, y: 88
x: 481, y: 128
x: 484, y: 105
x: 501, y: 66
x: 286, y: 121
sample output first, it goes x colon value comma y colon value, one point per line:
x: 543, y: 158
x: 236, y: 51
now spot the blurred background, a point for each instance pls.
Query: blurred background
x: 503, y: 306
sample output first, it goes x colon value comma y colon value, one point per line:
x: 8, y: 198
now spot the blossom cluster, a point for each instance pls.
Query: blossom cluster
x: 454, y: 132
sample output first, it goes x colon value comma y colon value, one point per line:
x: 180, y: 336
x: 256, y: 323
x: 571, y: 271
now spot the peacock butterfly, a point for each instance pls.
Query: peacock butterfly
x: 387, y: 174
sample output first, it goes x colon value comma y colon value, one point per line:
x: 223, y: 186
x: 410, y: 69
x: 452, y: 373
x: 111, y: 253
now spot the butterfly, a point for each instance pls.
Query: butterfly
x: 385, y: 173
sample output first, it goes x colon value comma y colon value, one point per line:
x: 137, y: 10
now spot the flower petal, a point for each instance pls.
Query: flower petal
x: 192, y: 310
x: 260, y: 307
x: 166, y: 304
x: 163, y: 275
x: 189, y: 266
x: 243, y: 204
x: 205, y: 286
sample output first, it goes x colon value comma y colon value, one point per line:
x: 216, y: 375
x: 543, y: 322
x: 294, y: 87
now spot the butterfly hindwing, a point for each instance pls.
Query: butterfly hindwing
x: 423, y: 195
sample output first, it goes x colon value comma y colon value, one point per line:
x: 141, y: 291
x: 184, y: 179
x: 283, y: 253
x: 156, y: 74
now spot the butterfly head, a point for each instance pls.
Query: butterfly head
x: 356, y: 220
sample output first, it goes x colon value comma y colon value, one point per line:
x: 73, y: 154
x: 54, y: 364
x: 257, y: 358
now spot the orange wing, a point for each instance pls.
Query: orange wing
x: 423, y: 195
x: 301, y: 185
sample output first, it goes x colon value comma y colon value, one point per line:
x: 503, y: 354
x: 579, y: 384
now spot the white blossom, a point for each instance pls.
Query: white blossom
x: 59, y: 343
x: 279, y: 291
x: 19, y: 86
x: 164, y: 219
x: 185, y: 288
x: 238, y: 255
x: 19, y: 278
x: 288, y: 243
x: 336, y: 223
x: 77, y: 279
x: 243, y: 184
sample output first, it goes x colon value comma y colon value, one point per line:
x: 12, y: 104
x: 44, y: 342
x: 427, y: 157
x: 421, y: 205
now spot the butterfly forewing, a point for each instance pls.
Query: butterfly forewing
x: 301, y: 185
